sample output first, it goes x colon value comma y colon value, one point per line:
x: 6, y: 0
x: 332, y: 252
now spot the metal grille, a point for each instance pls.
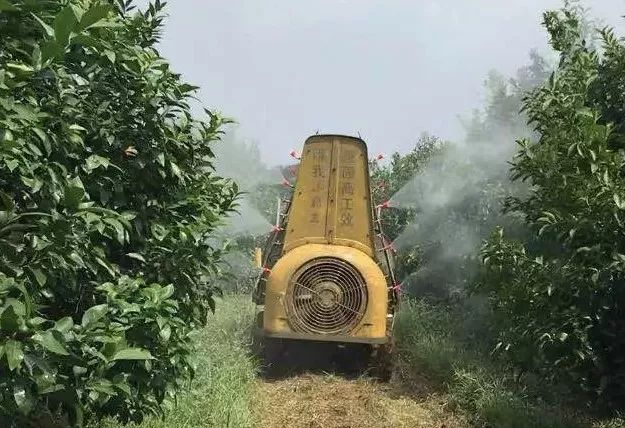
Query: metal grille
x: 326, y: 296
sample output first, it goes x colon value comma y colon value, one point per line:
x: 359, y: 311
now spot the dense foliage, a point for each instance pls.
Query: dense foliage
x: 107, y: 197
x: 560, y: 295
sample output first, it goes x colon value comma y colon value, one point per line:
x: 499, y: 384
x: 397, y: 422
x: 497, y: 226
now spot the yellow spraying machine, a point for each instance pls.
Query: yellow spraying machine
x: 327, y: 274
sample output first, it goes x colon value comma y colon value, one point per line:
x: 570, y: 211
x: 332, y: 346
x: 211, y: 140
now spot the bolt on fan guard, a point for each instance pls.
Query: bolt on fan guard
x: 326, y: 296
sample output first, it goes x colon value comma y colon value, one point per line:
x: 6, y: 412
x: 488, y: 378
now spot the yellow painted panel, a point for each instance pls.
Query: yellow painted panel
x: 307, y: 219
x: 373, y: 325
x: 352, y: 217
x: 331, y: 202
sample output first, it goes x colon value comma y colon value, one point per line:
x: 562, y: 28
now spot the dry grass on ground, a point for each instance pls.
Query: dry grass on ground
x: 326, y: 401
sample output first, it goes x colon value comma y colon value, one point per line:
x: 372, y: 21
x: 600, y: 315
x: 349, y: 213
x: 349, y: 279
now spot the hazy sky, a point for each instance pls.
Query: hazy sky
x: 387, y: 69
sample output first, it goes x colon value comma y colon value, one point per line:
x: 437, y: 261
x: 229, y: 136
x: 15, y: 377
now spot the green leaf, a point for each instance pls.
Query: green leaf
x: 586, y: 112
x: 620, y: 203
x: 40, y: 277
x: 165, y: 333
x: 175, y: 169
x: 44, y: 140
x: 50, y: 49
x: 23, y: 399
x: 34, y: 183
x: 7, y: 6
x: 93, y: 15
x: 74, y: 193
x: 110, y: 55
x: 49, y: 30
x: 10, y: 319
x: 7, y: 202
x: 123, y: 387
x: 36, y: 321
x: 159, y: 231
x: 106, y: 266
x: 94, y: 314
x: 167, y: 292
x: 79, y: 371
x: 64, y: 325
x: 95, y: 161
x: 64, y: 24
x: 14, y: 354
x: 136, y: 256
x: 119, y: 228
x: 132, y: 354
x: 52, y: 341
x: 77, y: 127
x: 11, y: 164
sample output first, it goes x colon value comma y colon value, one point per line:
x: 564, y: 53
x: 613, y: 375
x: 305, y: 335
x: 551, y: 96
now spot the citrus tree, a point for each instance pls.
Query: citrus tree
x: 559, y: 294
x: 107, y: 198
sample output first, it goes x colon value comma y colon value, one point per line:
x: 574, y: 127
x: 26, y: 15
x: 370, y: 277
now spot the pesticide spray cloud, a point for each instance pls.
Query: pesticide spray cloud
x: 457, y: 198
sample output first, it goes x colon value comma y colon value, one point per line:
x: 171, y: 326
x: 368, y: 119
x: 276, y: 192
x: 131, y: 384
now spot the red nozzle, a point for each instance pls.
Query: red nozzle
x: 266, y: 269
x: 380, y: 156
x: 292, y: 170
x: 286, y: 183
x: 385, y: 204
x: 396, y: 286
x: 295, y: 155
x: 390, y: 247
x: 276, y: 228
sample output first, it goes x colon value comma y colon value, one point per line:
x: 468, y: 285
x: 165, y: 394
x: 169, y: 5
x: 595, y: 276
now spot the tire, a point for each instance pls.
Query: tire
x: 383, y: 362
x: 257, y: 337
x: 272, y: 357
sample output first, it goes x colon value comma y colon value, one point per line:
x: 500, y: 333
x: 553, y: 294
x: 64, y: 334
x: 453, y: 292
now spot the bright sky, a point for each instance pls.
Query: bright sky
x: 385, y: 69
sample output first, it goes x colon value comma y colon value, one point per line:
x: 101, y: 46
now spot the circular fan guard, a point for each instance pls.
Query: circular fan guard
x: 326, y: 296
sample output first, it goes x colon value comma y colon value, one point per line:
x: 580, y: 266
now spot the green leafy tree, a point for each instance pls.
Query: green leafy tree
x: 559, y: 295
x: 107, y: 198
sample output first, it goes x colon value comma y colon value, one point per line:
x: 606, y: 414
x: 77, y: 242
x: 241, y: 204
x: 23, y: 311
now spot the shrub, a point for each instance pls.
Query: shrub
x: 107, y: 198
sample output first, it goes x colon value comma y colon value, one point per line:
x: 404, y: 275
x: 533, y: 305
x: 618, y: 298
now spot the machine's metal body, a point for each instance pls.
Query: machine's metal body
x: 327, y: 273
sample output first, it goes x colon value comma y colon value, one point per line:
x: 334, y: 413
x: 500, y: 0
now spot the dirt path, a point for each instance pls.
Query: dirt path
x: 328, y: 401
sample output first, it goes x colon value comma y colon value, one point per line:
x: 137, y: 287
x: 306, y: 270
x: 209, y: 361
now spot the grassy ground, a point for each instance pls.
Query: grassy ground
x: 222, y: 394
x: 445, y: 377
x: 445, y: 349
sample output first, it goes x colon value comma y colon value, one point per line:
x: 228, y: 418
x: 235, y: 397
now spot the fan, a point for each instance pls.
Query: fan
x: 326, y: 296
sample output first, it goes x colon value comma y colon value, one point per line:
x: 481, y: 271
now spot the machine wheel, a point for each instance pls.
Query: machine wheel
x: 383, y: 362
x: 272, y: 356
x: 257, y: 337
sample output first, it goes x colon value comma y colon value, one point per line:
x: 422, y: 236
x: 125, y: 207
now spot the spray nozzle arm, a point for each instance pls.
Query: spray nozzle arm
x: 266, y: 269
x: 286, y: 183
x: 276, y: 228
x: 385, y: 204
x: 294, y: 154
